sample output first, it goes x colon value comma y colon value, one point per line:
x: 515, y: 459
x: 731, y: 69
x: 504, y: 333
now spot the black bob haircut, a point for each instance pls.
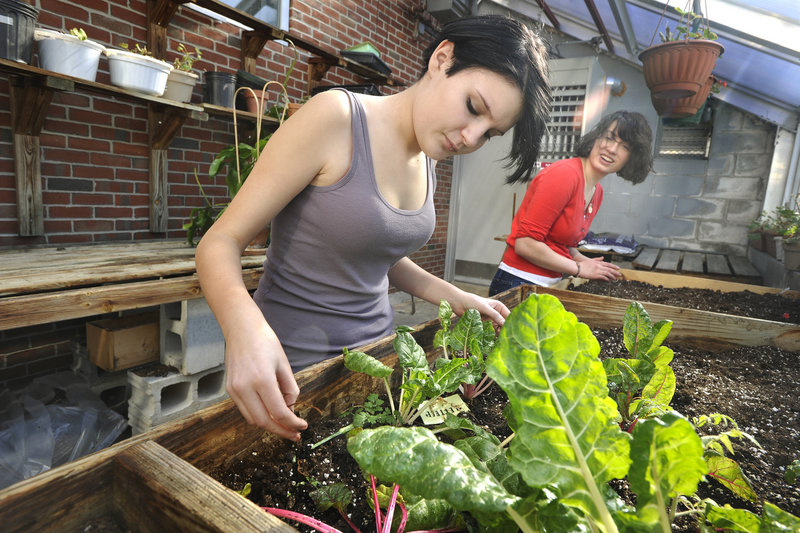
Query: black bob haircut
x: 509, y: 48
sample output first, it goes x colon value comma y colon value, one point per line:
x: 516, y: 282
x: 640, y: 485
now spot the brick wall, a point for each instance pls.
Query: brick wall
x: 94, y: 148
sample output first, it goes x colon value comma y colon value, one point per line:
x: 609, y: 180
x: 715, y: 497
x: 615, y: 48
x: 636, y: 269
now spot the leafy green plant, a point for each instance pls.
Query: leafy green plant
x: 372, y: 413
x: 568, y: 444
x: 471, y: 339
x: 690, y: 25
x: 186, y: 58
x: 420, y: 385
x: 137, y: 49
x: 79, y: 33
x: 644, y: 384
x: 716, y: 448
x: 792, y: 473
x: 239, y: 160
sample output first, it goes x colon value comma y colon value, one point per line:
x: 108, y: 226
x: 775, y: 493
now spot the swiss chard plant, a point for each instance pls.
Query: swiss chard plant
x: 420, y: 385
x: 568, y: 444
x: 642, y: 385
x: 471, y: 339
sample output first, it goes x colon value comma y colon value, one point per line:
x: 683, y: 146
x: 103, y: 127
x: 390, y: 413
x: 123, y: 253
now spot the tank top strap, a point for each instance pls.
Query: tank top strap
x: 361, y: 146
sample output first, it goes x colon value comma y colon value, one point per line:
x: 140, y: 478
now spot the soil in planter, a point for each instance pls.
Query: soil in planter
x: 756, y: 386
x: 744, y: 303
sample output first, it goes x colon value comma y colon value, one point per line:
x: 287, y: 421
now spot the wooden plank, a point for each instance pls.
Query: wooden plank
x: 692, y: 262
x: 677, y: 280
x: 743, y: 267
x: 180, y: 497
x: 43, y: 269
x: 668, y: 260
x: 27, y: 167
x: 646, y: 259
x: 705, y: 329
x: 717, y: 264
x: 32, y: 309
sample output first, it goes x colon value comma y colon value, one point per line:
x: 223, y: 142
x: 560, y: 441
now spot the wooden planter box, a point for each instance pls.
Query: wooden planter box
x: 157, y: 481
x: 706, y: 329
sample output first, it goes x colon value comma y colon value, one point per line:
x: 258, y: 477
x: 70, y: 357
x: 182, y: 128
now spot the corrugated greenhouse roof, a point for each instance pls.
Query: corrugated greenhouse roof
x: 761, y: 62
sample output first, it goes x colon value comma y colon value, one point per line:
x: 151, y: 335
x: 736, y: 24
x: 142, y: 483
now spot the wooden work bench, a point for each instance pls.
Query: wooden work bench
x: 690, y: 263
x: 39, y: 285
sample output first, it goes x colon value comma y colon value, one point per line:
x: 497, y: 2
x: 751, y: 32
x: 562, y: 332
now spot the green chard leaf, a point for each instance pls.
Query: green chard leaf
x: 727, y: 472
x: 667, y: 461
x: 776, y: 520
x: 411, y: 356
x: 336, y: 495
x: 733, y: 520
x: 468, y: 327
x: 416, y: 460
x: 567, y: 435
x: 365, y: 363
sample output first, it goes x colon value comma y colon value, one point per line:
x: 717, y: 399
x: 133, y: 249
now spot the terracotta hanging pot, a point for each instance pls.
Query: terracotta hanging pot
x: 682, y: 107
x: 677, y: 69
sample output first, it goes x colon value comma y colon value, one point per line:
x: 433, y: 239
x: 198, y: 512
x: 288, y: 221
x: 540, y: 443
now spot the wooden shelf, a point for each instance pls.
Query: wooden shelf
x: 39, y: 285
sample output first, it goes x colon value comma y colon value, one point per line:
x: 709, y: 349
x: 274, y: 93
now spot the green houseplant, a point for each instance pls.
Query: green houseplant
x: 237, y: 161
x: 678, y: 70
x: 181, y: 79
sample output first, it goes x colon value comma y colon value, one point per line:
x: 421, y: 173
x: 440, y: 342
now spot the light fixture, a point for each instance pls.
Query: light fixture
x: 616, y: 86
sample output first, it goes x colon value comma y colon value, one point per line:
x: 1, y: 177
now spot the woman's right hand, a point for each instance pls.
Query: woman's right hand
x: 259, y: 379
x: 597, y: 268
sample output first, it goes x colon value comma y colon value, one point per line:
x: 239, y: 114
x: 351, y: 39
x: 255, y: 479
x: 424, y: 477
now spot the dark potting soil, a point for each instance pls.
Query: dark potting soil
x: 756, y: 386
x: 744, y: 303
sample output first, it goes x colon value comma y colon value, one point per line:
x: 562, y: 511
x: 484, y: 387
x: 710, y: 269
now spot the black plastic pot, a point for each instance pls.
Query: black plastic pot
x: 219, y: 88
x: 17, y: 22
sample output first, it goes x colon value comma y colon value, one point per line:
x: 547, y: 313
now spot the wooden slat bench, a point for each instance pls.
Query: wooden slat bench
x: 49, y: 284
x: 706, y: 264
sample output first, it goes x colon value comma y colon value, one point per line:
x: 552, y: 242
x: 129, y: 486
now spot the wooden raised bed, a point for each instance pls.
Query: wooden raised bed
x: 157, y: 481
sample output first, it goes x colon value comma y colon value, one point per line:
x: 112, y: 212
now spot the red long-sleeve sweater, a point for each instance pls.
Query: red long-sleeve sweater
x: 552, y: 212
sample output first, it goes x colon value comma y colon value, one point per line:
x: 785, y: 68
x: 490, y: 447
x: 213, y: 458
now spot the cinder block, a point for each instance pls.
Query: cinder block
x: 191, y: 339
x: 172, y: 395
x: 112, y: 387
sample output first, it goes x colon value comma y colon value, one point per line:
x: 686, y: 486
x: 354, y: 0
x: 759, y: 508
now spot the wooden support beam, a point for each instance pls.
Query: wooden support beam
x: 30, y: 101
x: 317, y: 68
x: 159, y: 13
x: 164, y: 122
x: 253, y: 43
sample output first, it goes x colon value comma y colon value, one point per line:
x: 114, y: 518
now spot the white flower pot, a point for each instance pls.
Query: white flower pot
x: 137, y: 72
x: 180, y: 85
x: 68, y: 55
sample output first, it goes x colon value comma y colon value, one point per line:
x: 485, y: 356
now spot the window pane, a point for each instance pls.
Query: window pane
x: 267, y: 10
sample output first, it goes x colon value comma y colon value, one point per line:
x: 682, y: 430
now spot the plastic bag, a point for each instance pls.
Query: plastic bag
x: 35, y: 437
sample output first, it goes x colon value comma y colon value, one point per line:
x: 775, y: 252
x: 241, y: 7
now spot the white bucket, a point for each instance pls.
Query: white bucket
x: 68, y: 55
x: 138, y: 72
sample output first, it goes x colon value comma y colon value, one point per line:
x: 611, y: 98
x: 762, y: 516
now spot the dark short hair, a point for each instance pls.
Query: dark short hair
x: 511, y: 49
x: 634, y: 130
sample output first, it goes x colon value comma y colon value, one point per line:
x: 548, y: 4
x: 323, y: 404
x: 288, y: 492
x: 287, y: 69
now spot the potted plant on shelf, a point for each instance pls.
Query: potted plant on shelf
x: 680, y: 66
x: 239, y: 160
x: 256, y: 99
x: 136, y: 69
x: 181, y: 79
x: 71, y: 54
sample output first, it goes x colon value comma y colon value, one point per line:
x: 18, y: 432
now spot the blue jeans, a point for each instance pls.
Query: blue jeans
x: 503, y: 281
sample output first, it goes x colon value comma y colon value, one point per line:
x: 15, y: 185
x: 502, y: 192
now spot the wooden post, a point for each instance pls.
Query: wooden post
x: 29, y: 104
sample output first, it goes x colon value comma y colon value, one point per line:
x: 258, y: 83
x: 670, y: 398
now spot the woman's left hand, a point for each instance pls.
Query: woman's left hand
x: 489, y: 308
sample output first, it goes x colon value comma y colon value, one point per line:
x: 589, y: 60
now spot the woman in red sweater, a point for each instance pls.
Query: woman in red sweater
x: 563, y: 199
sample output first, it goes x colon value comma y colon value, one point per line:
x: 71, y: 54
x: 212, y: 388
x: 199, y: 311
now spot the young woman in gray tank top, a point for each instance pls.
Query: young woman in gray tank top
x: 346, y: 185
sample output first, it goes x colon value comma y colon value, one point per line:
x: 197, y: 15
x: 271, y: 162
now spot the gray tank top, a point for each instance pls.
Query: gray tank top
x: 325, y: 284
